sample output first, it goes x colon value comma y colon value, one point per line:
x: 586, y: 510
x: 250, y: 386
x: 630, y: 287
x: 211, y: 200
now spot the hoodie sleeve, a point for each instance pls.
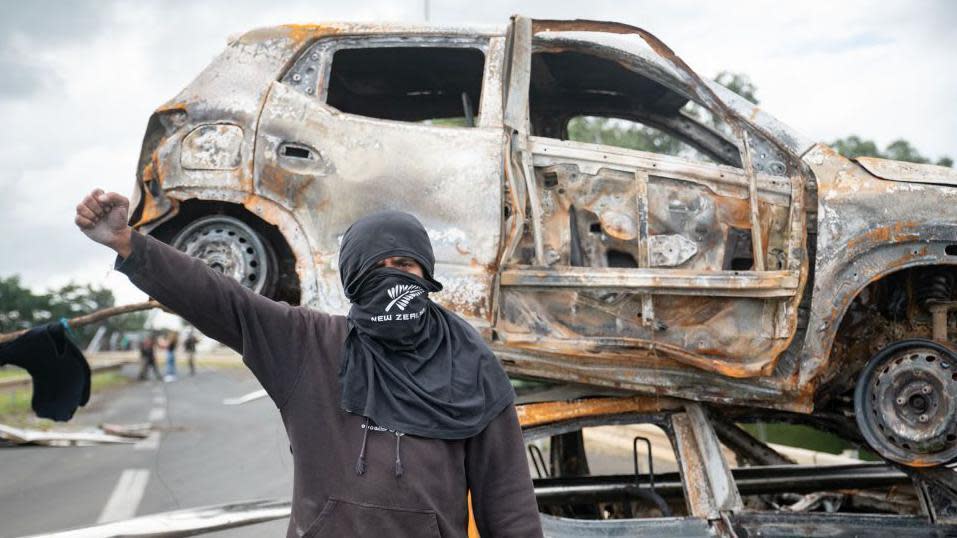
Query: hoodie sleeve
x: 264, y: 331
x: 503, y: 499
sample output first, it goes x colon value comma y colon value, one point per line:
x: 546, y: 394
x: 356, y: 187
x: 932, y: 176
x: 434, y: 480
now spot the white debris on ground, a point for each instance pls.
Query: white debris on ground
x: 89, y: 437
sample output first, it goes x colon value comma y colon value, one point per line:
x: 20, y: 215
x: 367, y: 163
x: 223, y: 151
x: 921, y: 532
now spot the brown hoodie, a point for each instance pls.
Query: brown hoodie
x: 412, y: 486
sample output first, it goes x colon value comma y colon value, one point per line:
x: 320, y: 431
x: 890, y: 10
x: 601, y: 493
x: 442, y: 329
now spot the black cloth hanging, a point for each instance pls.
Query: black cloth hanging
x: 61, y: 375
x: 409, y: 364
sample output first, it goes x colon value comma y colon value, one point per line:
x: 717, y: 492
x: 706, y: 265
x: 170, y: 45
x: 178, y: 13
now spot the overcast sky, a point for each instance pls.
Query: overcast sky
x: 78, y: 80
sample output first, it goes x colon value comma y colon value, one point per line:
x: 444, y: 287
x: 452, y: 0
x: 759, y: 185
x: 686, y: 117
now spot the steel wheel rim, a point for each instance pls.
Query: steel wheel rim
x: 906, y: 403
x: 231, y: 247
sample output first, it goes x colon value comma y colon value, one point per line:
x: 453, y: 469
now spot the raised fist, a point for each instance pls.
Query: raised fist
x: 102, y: 217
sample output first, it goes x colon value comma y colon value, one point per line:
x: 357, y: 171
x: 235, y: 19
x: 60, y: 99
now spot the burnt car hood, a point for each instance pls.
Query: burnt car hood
x: 908, y: 172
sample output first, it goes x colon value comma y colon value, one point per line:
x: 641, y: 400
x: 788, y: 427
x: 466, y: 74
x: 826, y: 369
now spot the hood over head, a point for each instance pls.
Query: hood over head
x: 380, y: 235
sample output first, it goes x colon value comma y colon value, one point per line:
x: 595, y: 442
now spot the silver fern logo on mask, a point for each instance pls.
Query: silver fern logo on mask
x: 401, y: 295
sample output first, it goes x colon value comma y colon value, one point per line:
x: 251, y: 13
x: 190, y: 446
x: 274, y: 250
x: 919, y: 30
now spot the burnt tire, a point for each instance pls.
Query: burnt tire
x: 905, y: 403
x: 232, y: 247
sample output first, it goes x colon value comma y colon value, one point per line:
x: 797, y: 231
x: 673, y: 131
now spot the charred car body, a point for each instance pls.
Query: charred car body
x: 755, y: 269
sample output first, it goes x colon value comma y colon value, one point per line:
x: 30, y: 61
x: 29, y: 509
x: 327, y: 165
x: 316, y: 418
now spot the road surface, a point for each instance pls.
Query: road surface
x: 207, y: 453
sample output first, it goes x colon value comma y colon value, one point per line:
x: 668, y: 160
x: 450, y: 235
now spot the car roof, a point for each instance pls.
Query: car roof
x: 298, y: 34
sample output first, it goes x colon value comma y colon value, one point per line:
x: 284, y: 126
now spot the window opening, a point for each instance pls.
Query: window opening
x: 434, y: 85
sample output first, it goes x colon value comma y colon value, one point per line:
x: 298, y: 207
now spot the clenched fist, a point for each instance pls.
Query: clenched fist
x: 102, y: 217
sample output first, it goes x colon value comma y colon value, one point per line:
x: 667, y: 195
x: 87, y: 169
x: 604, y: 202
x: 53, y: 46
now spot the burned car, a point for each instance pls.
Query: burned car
x: 754, y: 268
x: 687, y: 470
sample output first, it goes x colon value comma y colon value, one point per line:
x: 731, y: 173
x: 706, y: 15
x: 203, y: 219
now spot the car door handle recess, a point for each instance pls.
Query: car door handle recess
x: 297, y: 151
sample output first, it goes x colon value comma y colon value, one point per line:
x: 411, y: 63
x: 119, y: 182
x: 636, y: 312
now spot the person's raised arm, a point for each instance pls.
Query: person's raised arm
x: 255, y: 326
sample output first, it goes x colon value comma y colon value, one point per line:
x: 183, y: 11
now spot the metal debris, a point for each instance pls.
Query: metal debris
x: 18, y: 436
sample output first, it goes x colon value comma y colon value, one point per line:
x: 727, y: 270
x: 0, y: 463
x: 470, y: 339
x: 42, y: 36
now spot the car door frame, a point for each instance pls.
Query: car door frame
x: 787, y: 283
x: 465, y: 258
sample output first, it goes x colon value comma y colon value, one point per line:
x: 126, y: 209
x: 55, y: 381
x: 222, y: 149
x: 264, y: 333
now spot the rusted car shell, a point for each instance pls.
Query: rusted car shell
x: 233, y: 91
x: 861, y: 235
x: 908, y: 172
x: 867, y: 228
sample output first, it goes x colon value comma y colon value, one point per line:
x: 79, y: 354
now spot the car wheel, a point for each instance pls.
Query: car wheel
x: 905, y: 403
x: 233, y: 248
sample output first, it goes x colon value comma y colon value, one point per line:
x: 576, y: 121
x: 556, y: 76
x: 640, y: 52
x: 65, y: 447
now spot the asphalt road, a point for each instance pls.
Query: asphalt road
x: 207, y: 453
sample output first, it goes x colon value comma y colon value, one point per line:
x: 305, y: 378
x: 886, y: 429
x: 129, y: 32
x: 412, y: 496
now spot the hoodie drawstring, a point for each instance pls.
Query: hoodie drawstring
x: 361, y: 462
x: 398, y: 456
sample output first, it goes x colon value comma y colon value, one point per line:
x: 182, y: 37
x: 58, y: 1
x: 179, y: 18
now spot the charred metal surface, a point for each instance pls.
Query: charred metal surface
x: 559, y: 527
x: 744, y: 445
x: 908, y: 172
x: 543, y: 413
x: 835, y: 525
x: 868, y: 229
x: 631, y: 209
x: 690, y: 204
x: 372, y: 165
x: 710, y: 490
x: 579, y: 262
x: 749, y: 480
x: 594, y: 362
x: 817, y: 498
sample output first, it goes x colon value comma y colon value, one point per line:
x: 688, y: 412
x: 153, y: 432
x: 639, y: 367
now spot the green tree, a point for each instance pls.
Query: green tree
x: 623, y: 134
x: 21, y: 308
x: 898, y: 150
x: 632, y: 135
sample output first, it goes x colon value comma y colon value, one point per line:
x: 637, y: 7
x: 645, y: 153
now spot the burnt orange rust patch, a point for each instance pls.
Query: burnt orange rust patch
x: 273, y: 180
x: 896, y: 233
x: 151, y: 211
x: 179, y: 106
x: 290, y: 188
x: 546, y: 412
x: 269, y: 212
x: 304, y: 32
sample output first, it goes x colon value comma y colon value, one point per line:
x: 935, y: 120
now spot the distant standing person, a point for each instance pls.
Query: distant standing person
x: 148, y: 358
x: 171, y: 340
x: 189, y: 346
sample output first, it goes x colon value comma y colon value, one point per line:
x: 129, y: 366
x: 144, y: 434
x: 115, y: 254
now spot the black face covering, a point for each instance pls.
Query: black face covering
x: 409, y: 364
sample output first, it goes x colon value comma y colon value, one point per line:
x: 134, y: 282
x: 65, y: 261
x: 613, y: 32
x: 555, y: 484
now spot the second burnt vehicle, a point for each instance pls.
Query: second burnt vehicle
x: 750, y: 268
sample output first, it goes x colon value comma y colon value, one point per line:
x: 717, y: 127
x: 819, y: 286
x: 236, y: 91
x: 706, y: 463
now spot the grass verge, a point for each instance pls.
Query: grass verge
x: 15, y: 403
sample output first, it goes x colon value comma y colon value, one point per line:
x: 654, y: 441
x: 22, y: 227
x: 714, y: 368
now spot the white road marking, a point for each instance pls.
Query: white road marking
x: 246, y: 398
x: 157, y: 414
x: 159, y: 400
x: 151, y: 442
x: 126, y: 496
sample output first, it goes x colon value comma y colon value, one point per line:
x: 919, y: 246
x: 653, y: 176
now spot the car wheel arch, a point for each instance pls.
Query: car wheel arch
x: 860, y: 270
x: 275, y: 224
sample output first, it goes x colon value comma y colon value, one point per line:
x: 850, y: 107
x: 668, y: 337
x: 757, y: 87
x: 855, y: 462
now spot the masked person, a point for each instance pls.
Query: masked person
x: 394, y: 413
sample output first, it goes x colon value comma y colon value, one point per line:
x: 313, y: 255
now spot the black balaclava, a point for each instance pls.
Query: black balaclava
x: 409, y: 364
x: 61, y: 375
